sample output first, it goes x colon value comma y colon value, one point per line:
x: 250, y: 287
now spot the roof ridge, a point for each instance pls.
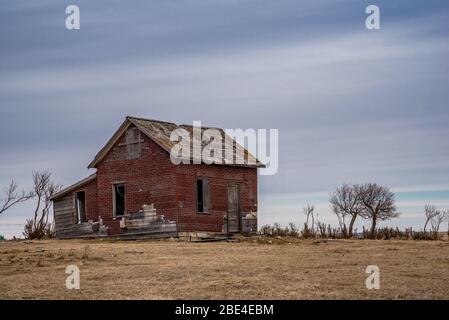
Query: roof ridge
x: 203, y: 127
x: 146, y: 119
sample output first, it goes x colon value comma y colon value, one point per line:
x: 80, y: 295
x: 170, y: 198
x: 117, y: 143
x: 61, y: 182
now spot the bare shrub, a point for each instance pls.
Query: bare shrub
x: 266, y: 230
x: 430, y: 212
x: 307, y: 232
x: 292, y: 230
x: 321, y: 230
x: 437, y: 220
x: 279, y: 231
x: 421, y: 235
x: 274, y: 231
x: 43, y: 188
x: 43, y: 232
x: 86, y: 253
x: 309, y: 211
x: 435, y: 217
x: 387, y: 233
x: 324, y: 231
x: 447, y: 219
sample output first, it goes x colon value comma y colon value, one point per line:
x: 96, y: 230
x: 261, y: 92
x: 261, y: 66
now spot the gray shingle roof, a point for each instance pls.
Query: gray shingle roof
x: 160, y: 131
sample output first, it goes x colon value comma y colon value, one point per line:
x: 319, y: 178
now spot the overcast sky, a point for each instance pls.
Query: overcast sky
x: 351, y: 104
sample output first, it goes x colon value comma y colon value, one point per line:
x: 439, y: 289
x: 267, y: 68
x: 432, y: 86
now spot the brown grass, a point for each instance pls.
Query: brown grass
x: 256, y: 268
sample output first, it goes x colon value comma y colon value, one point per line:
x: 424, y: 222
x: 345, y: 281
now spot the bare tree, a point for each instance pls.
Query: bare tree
x: 447, y: 219
x: 309, y: 211
x: 378, y: 204
x: 43, y: 188
x: 437, y: 220
x: 13, y: 196
x: 430, y: 212
x: 345, y: 201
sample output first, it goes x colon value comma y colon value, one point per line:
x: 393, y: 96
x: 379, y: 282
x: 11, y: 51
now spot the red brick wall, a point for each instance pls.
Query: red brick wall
x: 149, y: 179
x: 219, y: 177
x: 155, y: 179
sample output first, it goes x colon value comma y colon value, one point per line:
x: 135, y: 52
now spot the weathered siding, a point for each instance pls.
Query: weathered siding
x: 65, y: 213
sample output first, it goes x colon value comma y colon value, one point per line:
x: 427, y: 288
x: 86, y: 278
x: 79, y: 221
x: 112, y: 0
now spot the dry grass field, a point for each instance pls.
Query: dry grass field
x: 251, y: 269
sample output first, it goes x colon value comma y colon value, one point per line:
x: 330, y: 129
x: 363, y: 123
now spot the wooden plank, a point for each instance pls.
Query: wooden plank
x: 206, y: 196
x: 64, y: 210
x: 133, y: 143
x: 125, y: 143
x: 233, y: 208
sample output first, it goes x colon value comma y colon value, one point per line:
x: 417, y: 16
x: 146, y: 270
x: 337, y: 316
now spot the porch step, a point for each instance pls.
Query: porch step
x: 145, y: 235
x: 204, y: 236
x: 208, y: 239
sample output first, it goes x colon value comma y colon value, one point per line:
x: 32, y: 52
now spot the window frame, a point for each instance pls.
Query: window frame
x: 114, y: 205
x: 133, y: 147
x: 77, y: 213
x: 205, y: 195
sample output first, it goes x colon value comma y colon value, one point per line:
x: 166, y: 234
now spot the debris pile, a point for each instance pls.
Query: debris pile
x: 147, y: 220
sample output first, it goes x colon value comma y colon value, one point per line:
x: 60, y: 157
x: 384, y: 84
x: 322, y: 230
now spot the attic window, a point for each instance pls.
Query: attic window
x: 133, y: 143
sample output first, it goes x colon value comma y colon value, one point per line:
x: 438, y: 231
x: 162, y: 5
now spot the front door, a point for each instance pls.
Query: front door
x: 233, y: 208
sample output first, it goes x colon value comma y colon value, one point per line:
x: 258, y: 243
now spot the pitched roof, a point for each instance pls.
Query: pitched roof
x: 160, y: 131
x: 74, y: 186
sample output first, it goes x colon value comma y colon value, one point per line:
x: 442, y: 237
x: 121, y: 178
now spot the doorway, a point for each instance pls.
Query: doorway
x: 234, y: 200
x: 118, y: 199
x: 80, y: 206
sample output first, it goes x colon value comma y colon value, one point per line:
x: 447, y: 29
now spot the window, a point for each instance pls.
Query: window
x: 118, y: 198
x: 202, y: 196
x: 133, y: 143
x: 80, y: 206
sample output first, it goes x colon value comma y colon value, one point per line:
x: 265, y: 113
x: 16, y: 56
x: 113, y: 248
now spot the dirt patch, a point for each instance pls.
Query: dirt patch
x: 254, y: 268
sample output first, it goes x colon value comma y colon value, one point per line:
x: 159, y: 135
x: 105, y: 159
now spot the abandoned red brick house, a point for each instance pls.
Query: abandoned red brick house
x: 137, y: 189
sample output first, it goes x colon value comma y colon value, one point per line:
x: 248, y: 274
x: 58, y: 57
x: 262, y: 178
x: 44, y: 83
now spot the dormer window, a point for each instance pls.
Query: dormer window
x: 133, y: 143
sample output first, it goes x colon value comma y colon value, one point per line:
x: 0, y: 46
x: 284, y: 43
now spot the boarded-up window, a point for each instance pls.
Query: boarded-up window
x: 133, y: 143
x: 202, y: 195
